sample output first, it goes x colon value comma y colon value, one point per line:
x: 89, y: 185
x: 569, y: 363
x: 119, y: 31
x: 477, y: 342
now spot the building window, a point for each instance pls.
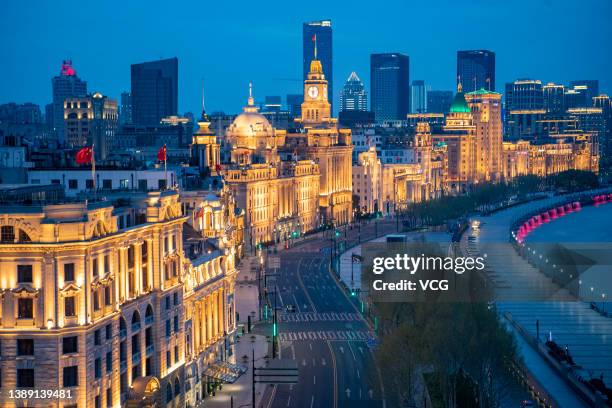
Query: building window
x: 70, y: 345
x: 24, y: 273
x: 95, y: 294
x: 109, y: 331
x: 168, y: 302
x: 124, y: 184
x: 25, y: 309
x: 107, y: 184
x: 69, y: 306
x: 25, y: 347
x: 97, y: 337
x: 69, y: 272
x: 94, y: 267
x: 89, y: 184
x: 130, y: 256
x: 109, y: 397
x: 107, y: 296
x: 176, y: 324
x: 109, y: 362
x: 106, y: 263
x: 175, y: 296
x: 73, y: 184
x: 25, y: 378
x: 98, y: 367
x: 176, y: 354
x: 168, y: 359
x: 168, y: 328
x: 71, y: 378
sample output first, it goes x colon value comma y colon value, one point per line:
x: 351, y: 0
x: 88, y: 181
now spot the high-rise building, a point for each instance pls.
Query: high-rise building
x: 439, y: 101
x: 605, y: 104
x: 125, y: 109
x: 294, y: 105
x: 353, y: 96
x: 321, y: 31
x: 523, y: 95
x: 476, y: 70
x: 272, y: 103
x: 154, y: 91
x: 66, y: 85
x: 390, y: 86
x: 589, y: 87
x: 91, y: 120
x: 418, y: 96
x: 553, y: 98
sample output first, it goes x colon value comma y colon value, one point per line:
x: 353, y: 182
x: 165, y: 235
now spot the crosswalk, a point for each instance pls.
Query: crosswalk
x: 319, y: 317
x: 331, y: 335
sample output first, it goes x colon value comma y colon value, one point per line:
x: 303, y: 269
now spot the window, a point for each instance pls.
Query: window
x: 176, y: 354
x: 25, y: 347
x: 73, y: 184
x: 97, y: 337
x: 70, y: 345
x: 168, y: 359
x: 168, y: 302
x: 56, y: 181
x: 168, y: 328
x: 69, y: 306
x: 24, y: 273
x: 107, y: 184
x: 98, y: 367
x: 109, y: 397
x: 166, y: 244
x: 175, y: 296
x: 107, y: 296
x: 142, y: 185
x: 97, y: 402
x: 109, y: 362
x: 124, y: 184
x: 109, y: 331
x: 94, y: 267
x: 25, y: 309
x: 89, y: 184
x: 176, y: 324
x: 130, y: 256
x: 106, y: 263
x: 25, y: 378
x: 71, y: 378
x: 161, y: 184
x: 69, y: 272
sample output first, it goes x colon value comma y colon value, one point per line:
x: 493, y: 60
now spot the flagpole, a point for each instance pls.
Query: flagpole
x: 93, y: 171
x: 165, y: 166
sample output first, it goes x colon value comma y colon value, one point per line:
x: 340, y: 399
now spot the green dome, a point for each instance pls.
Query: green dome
x: 459, y: 104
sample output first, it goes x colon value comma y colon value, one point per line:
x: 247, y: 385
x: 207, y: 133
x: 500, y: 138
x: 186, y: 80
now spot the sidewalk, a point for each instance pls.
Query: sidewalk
x: 246, y: 304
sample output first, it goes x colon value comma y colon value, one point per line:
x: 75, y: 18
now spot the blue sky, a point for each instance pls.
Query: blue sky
x: 231, y: 43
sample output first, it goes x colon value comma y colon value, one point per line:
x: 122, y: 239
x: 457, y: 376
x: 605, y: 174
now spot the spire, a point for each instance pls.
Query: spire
x: 204, y: 115
x: 251, y: 101
x: 459, y: 86
x: 314, y: 39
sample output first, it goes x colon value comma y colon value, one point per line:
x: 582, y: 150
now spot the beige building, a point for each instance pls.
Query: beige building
x: 114, y: 316
x: 279, y: 197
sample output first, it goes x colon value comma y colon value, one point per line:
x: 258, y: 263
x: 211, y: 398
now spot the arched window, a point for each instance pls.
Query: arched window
x: 135, y: 321
x: 122, y: 325
x: 168, y: 392
x: 149, y: 315
x: 177, y: 387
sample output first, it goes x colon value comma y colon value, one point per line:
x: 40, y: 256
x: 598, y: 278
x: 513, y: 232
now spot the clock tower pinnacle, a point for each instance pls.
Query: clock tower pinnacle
x: 315, y: 108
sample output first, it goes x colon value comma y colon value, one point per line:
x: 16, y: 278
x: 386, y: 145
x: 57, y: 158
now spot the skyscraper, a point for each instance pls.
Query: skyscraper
x: 322, y: 32
x: 154, y: 91
x: 476, y: 70
x: 523, y: 95
x: 294, y: 104
x: 590, y: 87
x: 66, y: 85
x: 125, y: 109
x: 418, y: 96
x: 554, y: 97
x: 390, y: 86
x: 353, y: 96
x: 439, y: 101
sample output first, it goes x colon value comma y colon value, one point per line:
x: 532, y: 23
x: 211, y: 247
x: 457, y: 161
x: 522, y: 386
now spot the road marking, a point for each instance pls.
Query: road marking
x: 314, y: 379
x: 342, y: 349
x: 323, y: 361
x: 297, y: 304
x: 333, y: 357
x: 304, y: 362
x: 310, y: 345
x: 289, y: 400
x: 312, y: 402
x: 353, y: 353
x: 358, y: 376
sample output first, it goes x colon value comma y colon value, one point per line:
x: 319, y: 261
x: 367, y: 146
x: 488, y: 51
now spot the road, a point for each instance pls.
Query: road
x: 325, y: 335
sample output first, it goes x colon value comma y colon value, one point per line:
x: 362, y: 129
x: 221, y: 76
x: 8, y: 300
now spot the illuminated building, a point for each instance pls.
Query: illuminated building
x: 119, y: 316
x: 439, y: 101
x: 91, y: 120
x: 367, y: 173
x: 603, y: 102
x: 418, y: 96
x: 353, y: 96
x: 330, y: 147
x: 554, y: 98
x: 486, y: 112
x: 66, y: 85
x: 279, y: 197
x: 589, y: 88
x: 125, y: 109
x: 154, y: 91
x: 323, y: 32
x: 476, y: 69
x: 390, y: 86
x: 523, y: 94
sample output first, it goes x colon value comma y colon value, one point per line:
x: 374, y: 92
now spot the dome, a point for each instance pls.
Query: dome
x: 250, y: 122
x: 459, y: 104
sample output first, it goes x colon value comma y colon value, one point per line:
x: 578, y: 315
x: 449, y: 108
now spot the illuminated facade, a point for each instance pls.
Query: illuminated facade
x: 118, y: 316
x: 323, y: 142
x: 279, y: 197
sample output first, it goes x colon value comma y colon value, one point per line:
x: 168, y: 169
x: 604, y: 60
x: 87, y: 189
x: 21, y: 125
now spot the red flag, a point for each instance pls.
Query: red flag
x: 84, y: 156
x: 161, y: 153
x: 218, y: 167
x: 314, y: 38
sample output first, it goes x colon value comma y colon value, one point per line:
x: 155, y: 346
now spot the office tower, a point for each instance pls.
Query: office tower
x: 294, y: 104
x: 66, y: 85
x: 390, y: 86
x: 590, y: 88
x: 439, y: 101
x: 605, y: 104
x: 486, y: 112
x: 523, y: 95
x: 418, y: 96
x: 272, y: 103
x: 322, y: 32
x: 125, y: 110
x: 476, y: 70
x: 154, y: 91
x: 553, y: 98
x: 353, y: 96
x: 91, y: 120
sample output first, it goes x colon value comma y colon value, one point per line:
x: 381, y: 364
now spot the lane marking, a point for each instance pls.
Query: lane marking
x: 333, y: 357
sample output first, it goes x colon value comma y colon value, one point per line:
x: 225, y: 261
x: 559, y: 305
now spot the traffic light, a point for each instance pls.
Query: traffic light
x: 353, y: 293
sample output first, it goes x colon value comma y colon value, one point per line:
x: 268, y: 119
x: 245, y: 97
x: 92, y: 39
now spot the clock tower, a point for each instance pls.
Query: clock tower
x: 315, y: 108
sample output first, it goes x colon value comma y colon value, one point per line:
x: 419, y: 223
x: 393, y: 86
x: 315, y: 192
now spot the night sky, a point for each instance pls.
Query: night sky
x: 231, y: 43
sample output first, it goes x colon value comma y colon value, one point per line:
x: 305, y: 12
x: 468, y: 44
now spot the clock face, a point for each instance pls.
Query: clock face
x: 313, y: 91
